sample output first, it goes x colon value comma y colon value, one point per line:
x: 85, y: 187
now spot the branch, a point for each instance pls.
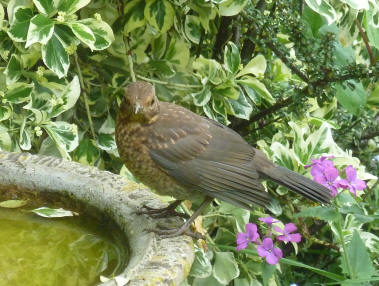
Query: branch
x: 222, y: 35
x: 372, y: 59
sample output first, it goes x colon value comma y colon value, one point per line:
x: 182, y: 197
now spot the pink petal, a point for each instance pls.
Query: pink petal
x: 317, y: 170
x: 261, y: 251
x: 342, y: 184
x: 278, y: 252
x: 331, y: 174
x: 290, y: 227
x: 271, y: 258
x: 320, y: 179
x: 268, y: 243
x: 359, y: 184
x: 242, y: 238
x: 251, y: 231
x: 334, y: 192
x: 295, y: 237
x: 241, y: 246
x: 282, y: 238
x: 351, y: 173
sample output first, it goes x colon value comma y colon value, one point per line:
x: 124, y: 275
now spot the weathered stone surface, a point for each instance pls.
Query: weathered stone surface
x: 153, y: 261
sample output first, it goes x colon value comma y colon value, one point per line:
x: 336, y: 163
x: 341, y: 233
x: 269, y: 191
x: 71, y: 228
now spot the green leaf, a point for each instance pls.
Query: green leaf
x: 160, y: 14
x: 5, y: 112
x: 352, y: 96
x: 65, y: 35
x: 14, y: 69
x: 108, y: 126
x: 202, y: 97
x: 1, y: 16
x: 24, y: 142
x: 209, y: 68
x: 55, y: 56
x: 373, y: 98
x: 202, y: 266
x: 232, y: 7
x: 64, y: 135
x: 209, y: 281
x: 257, y: 67
x: 239, y: 216
x: 49, y: 212
x: 158, y: 46
x: 84, y: 34
x: 359, y: 259
x: 106, y: 142
x: 178, y: 52
x: 241, y: 108
x: 71, y: 6
x: 19, y: 92
x: 46, y: 7
x: 87, y: 153
x: 232, y: 58
x: 192, y: 28
x: 19, y: 29
x: 357, y: 4
x: 163, y: 67
x: 225, y: 267
x: 323, y: 8
x: 40, y: 30
x: 5, y: 139
x: 327, y: 214
x: 267, y: 272
x: 257, y: 86
x: 134, y: 15
x: 226, y: 89
x: 102, y: 32
x: 12, y: 204
x: 372, y: 25
x: 69, y: 96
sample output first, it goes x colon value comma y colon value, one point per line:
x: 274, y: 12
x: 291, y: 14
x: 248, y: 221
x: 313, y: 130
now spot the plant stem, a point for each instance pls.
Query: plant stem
x: 365, y: 40
x: 342, y: 241
x: 131, y: 68
x: 85, y: 97
x: 169, y: 83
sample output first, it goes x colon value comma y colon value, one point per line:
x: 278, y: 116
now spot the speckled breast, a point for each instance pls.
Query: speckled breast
x: 130, y: 140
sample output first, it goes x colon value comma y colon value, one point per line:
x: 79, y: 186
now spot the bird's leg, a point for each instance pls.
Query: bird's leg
x: 168, y: 211
x: 184, y: 229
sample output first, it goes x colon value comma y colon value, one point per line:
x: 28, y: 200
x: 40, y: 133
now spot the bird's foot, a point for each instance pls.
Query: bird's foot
x: 174, y: 232
x: 168, y: 211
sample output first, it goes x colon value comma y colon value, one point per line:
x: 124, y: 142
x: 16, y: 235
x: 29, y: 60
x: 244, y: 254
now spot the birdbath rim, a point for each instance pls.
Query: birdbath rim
x: 152, y: 261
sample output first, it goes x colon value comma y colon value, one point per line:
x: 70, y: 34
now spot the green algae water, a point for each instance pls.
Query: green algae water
x: 57, y: 251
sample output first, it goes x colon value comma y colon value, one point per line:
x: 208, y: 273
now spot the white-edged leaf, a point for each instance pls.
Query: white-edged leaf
x: 160, y: 14
x: 178, y: 52
x: 202, y: 266
x: 225, y: 267
x: 232, y: 58
x: 65, y: 135
x: 24, y: 142
x: 5, y: 112
x: 257, y: 86
x: 357, y: 4
x: 19, y: 92
x: 5, y: 139
x: 69, y: 97
x: 106, y: 142
x: 232, y: 7
x: 372, y: 25
x: 50, y: 212
x: 102, y: 32
x: 323, y: 8
x: 192, y: 28
x: 256, y: 66
x: 1, y: 15
x: 202, y: 97
x: 241, y: 108
x: 40, y: 30
x: 13, y: 70
x: 108, y: 126
x: 55, y: 56
x: 71, y: 6
x: 19, y: 28
x: 134, y: 15
x: 47, y: 7
x: 84, y: 34
x: 12, y: 204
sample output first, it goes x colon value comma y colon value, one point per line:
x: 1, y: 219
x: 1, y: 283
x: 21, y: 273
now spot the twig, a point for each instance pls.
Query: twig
x: 169, y: 83
x: 131, y: 68
x: 222, y: 35
x: 372, y: 59
x: 200, y: 45
x: 88, y: 111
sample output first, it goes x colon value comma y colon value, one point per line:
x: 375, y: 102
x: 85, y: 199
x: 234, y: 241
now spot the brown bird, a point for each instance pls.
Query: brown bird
x: 184, y: 155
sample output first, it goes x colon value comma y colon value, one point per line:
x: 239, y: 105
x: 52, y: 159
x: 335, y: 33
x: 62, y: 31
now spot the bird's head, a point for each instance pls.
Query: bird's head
x: 140, y: 103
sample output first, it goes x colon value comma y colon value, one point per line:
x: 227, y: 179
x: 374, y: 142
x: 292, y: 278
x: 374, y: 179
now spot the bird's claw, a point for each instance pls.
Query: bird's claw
x: 168, y: 211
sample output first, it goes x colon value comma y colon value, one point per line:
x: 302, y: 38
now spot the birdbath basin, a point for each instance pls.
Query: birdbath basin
x: 146, y: 258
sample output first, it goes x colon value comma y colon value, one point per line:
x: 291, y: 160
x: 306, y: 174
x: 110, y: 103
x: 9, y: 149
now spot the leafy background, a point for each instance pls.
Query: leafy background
x: 298, y: 79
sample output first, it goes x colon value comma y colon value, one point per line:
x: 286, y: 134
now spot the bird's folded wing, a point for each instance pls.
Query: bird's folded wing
x: 206, y: 156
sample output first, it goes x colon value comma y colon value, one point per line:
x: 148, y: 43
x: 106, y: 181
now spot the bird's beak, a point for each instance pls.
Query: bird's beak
x: 137, y: 108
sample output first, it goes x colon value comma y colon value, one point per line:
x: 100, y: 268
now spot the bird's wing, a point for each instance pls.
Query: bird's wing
x: 206, y: 156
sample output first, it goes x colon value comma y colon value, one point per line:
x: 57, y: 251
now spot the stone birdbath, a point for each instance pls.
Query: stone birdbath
x: 152, y: 261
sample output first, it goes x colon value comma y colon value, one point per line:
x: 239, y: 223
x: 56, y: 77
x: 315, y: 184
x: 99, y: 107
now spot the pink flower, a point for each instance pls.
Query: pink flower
x: 352, y: 183
x: 268, y: 220
x: 251, y: 235
x: 268, y: 251
x: 287, y: 235
x: 327, y: 178
x: 319, y: 165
